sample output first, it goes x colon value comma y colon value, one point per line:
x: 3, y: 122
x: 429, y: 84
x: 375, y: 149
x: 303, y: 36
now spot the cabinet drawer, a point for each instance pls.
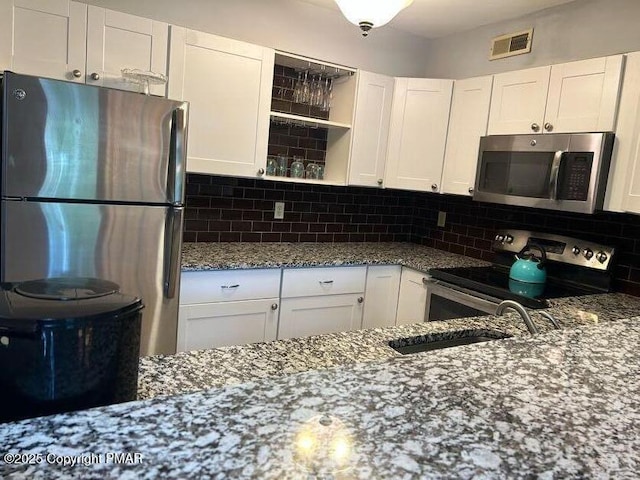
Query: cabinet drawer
x: 229, y: 285
x: 305, y: 282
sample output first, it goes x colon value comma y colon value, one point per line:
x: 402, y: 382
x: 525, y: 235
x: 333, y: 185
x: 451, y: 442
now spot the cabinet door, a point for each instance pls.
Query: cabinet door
x: 371, y: 129
x: 418, y: 133
x: 212, y: 325
x: 301, y: 317
x: 381, y: 296
x: 116, y: 40
x: 467, y: 123
x: 583, y: 96
x: 623, y: 189
x: 412, y: 299
x: 228, y: 84
x: 518, y: 101
x: 44, y: 38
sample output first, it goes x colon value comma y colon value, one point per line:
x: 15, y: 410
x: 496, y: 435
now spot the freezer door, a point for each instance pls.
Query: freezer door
x: 63, y: 140
x: 134, y: 246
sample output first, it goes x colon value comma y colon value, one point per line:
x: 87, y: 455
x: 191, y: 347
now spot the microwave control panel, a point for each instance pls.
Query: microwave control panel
x: 574, y: 176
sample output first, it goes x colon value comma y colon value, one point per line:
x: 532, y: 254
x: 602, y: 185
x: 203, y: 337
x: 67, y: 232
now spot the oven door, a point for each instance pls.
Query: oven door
x: 446, y: 301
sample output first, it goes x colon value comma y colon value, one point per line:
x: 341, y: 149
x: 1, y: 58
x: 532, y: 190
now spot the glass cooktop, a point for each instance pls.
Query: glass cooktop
x: 495, y: 282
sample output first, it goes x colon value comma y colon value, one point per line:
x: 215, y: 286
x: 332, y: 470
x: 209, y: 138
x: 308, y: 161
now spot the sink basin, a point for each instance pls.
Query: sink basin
x: 437, y: 341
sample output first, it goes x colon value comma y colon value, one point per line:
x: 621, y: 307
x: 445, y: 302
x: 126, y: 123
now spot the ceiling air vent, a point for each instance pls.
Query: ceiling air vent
x: 511, y: 44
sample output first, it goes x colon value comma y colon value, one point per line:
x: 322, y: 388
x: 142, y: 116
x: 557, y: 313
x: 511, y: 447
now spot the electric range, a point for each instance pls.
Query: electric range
x: 574, y: 267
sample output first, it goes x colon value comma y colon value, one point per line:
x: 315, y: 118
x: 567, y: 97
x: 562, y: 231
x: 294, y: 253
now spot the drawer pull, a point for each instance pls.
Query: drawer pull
x: 326, y: 282
x: 360, y: 299
x: 274, y: 306
x: 230, y: 286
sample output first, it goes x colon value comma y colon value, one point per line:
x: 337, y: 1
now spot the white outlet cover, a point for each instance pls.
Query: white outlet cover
x: 278, y: 211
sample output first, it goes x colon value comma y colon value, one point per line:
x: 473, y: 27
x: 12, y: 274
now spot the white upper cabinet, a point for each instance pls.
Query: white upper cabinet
x: 70, y: 41
x: 418, y: 133
x: 228, y: 84
x: 116, y: 40
x: 467, y: 123
x: 518, y: 101
x: 371, y: 129
x: 578, y: 96
x: 44, y: 38
x: 623, y: 189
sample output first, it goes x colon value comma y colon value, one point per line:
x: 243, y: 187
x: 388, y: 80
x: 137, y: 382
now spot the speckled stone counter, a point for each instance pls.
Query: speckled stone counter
x: 562, y: 404
x: 198, y: 370
x: 219, y: 256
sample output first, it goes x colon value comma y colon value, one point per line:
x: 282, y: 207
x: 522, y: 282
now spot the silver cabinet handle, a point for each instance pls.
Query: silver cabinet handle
x: 230, y: 286
x: 261, y: 171
x: 470, y: 189
x: 274, y: 306
x: 434, y: 186
x: 379, y: 181
x: 76, y: 73
x: 548, y: 127
x: 95, y: 76
x: 360, y: 299
x: 535, y: 127
x: 325, y: 282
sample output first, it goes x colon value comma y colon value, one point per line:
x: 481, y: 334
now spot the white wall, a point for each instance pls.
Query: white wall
x: 577, y: 30
x: 291, y: 26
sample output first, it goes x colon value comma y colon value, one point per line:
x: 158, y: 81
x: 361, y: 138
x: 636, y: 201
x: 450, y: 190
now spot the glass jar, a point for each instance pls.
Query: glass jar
x: 272, y: 166
x: 281, y: 169
x: 297, y: 168
x: 311, y: 171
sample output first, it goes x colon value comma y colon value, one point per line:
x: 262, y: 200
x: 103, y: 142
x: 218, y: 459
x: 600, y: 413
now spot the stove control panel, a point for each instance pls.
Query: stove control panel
x: 557, y: 248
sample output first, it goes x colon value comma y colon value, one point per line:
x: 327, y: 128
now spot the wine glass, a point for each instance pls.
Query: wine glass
x: 306, y: 89
x: 297, y: 90
x: 327, y: 95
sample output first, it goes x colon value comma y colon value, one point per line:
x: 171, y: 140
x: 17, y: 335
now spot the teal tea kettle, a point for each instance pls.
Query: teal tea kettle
x: 528, y: 268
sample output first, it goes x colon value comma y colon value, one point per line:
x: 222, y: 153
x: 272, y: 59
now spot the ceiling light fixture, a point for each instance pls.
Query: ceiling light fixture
x: 368, y: 14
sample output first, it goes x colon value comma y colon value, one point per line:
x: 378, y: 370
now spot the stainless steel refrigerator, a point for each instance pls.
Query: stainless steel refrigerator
x: 92, y: 185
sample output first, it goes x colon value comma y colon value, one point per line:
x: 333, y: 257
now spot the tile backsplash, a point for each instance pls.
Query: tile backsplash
x: 227, y: 209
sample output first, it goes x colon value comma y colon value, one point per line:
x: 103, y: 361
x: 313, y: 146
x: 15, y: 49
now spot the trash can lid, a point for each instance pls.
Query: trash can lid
x: 67, y: 288
x: 30, y: 306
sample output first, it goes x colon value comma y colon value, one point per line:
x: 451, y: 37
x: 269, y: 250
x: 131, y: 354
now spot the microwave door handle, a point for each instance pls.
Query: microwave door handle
x: 555, y: 172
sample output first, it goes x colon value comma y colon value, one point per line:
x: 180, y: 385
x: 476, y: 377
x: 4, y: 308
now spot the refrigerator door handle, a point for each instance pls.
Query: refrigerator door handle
x: 173, y: 239
x: 177, y: 157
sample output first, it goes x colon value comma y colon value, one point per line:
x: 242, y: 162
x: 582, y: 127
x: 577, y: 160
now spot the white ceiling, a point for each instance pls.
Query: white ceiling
x: 438, y: 18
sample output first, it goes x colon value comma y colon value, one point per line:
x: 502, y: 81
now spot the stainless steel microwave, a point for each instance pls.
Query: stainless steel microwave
x: 565, y: 172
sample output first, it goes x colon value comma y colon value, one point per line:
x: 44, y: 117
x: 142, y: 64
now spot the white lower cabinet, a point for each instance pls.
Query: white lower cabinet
x: 304, y: 316
x: 211, y: 325
x: 381, y: 296
x: 321, y: 300
x: 412, y: 300
x: 228, y: 307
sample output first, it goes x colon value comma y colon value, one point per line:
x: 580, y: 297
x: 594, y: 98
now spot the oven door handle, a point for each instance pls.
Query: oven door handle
x: 555, y: 173
x: 479, y: 301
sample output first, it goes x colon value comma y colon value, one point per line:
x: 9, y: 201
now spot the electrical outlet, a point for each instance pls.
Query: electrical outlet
x: 278, y: 212
x: 442, y: 218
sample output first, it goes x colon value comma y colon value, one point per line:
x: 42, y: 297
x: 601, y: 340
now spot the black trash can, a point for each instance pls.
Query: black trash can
x: 66, y: 344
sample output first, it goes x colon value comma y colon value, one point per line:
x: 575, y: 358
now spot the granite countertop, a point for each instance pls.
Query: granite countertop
x: 222, y: 256
x: 203, y: 369
x: 562, y: 404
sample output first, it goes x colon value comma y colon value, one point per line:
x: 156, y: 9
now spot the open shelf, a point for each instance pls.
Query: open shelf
x: 304, y: 180
x: 307, y: 121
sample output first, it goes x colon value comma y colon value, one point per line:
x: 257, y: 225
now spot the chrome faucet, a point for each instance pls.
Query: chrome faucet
x: 550, y: 317
x: 520, y: 309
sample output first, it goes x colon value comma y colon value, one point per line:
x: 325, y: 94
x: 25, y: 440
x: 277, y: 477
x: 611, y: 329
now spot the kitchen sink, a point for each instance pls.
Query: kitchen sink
x: 437, y: 341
